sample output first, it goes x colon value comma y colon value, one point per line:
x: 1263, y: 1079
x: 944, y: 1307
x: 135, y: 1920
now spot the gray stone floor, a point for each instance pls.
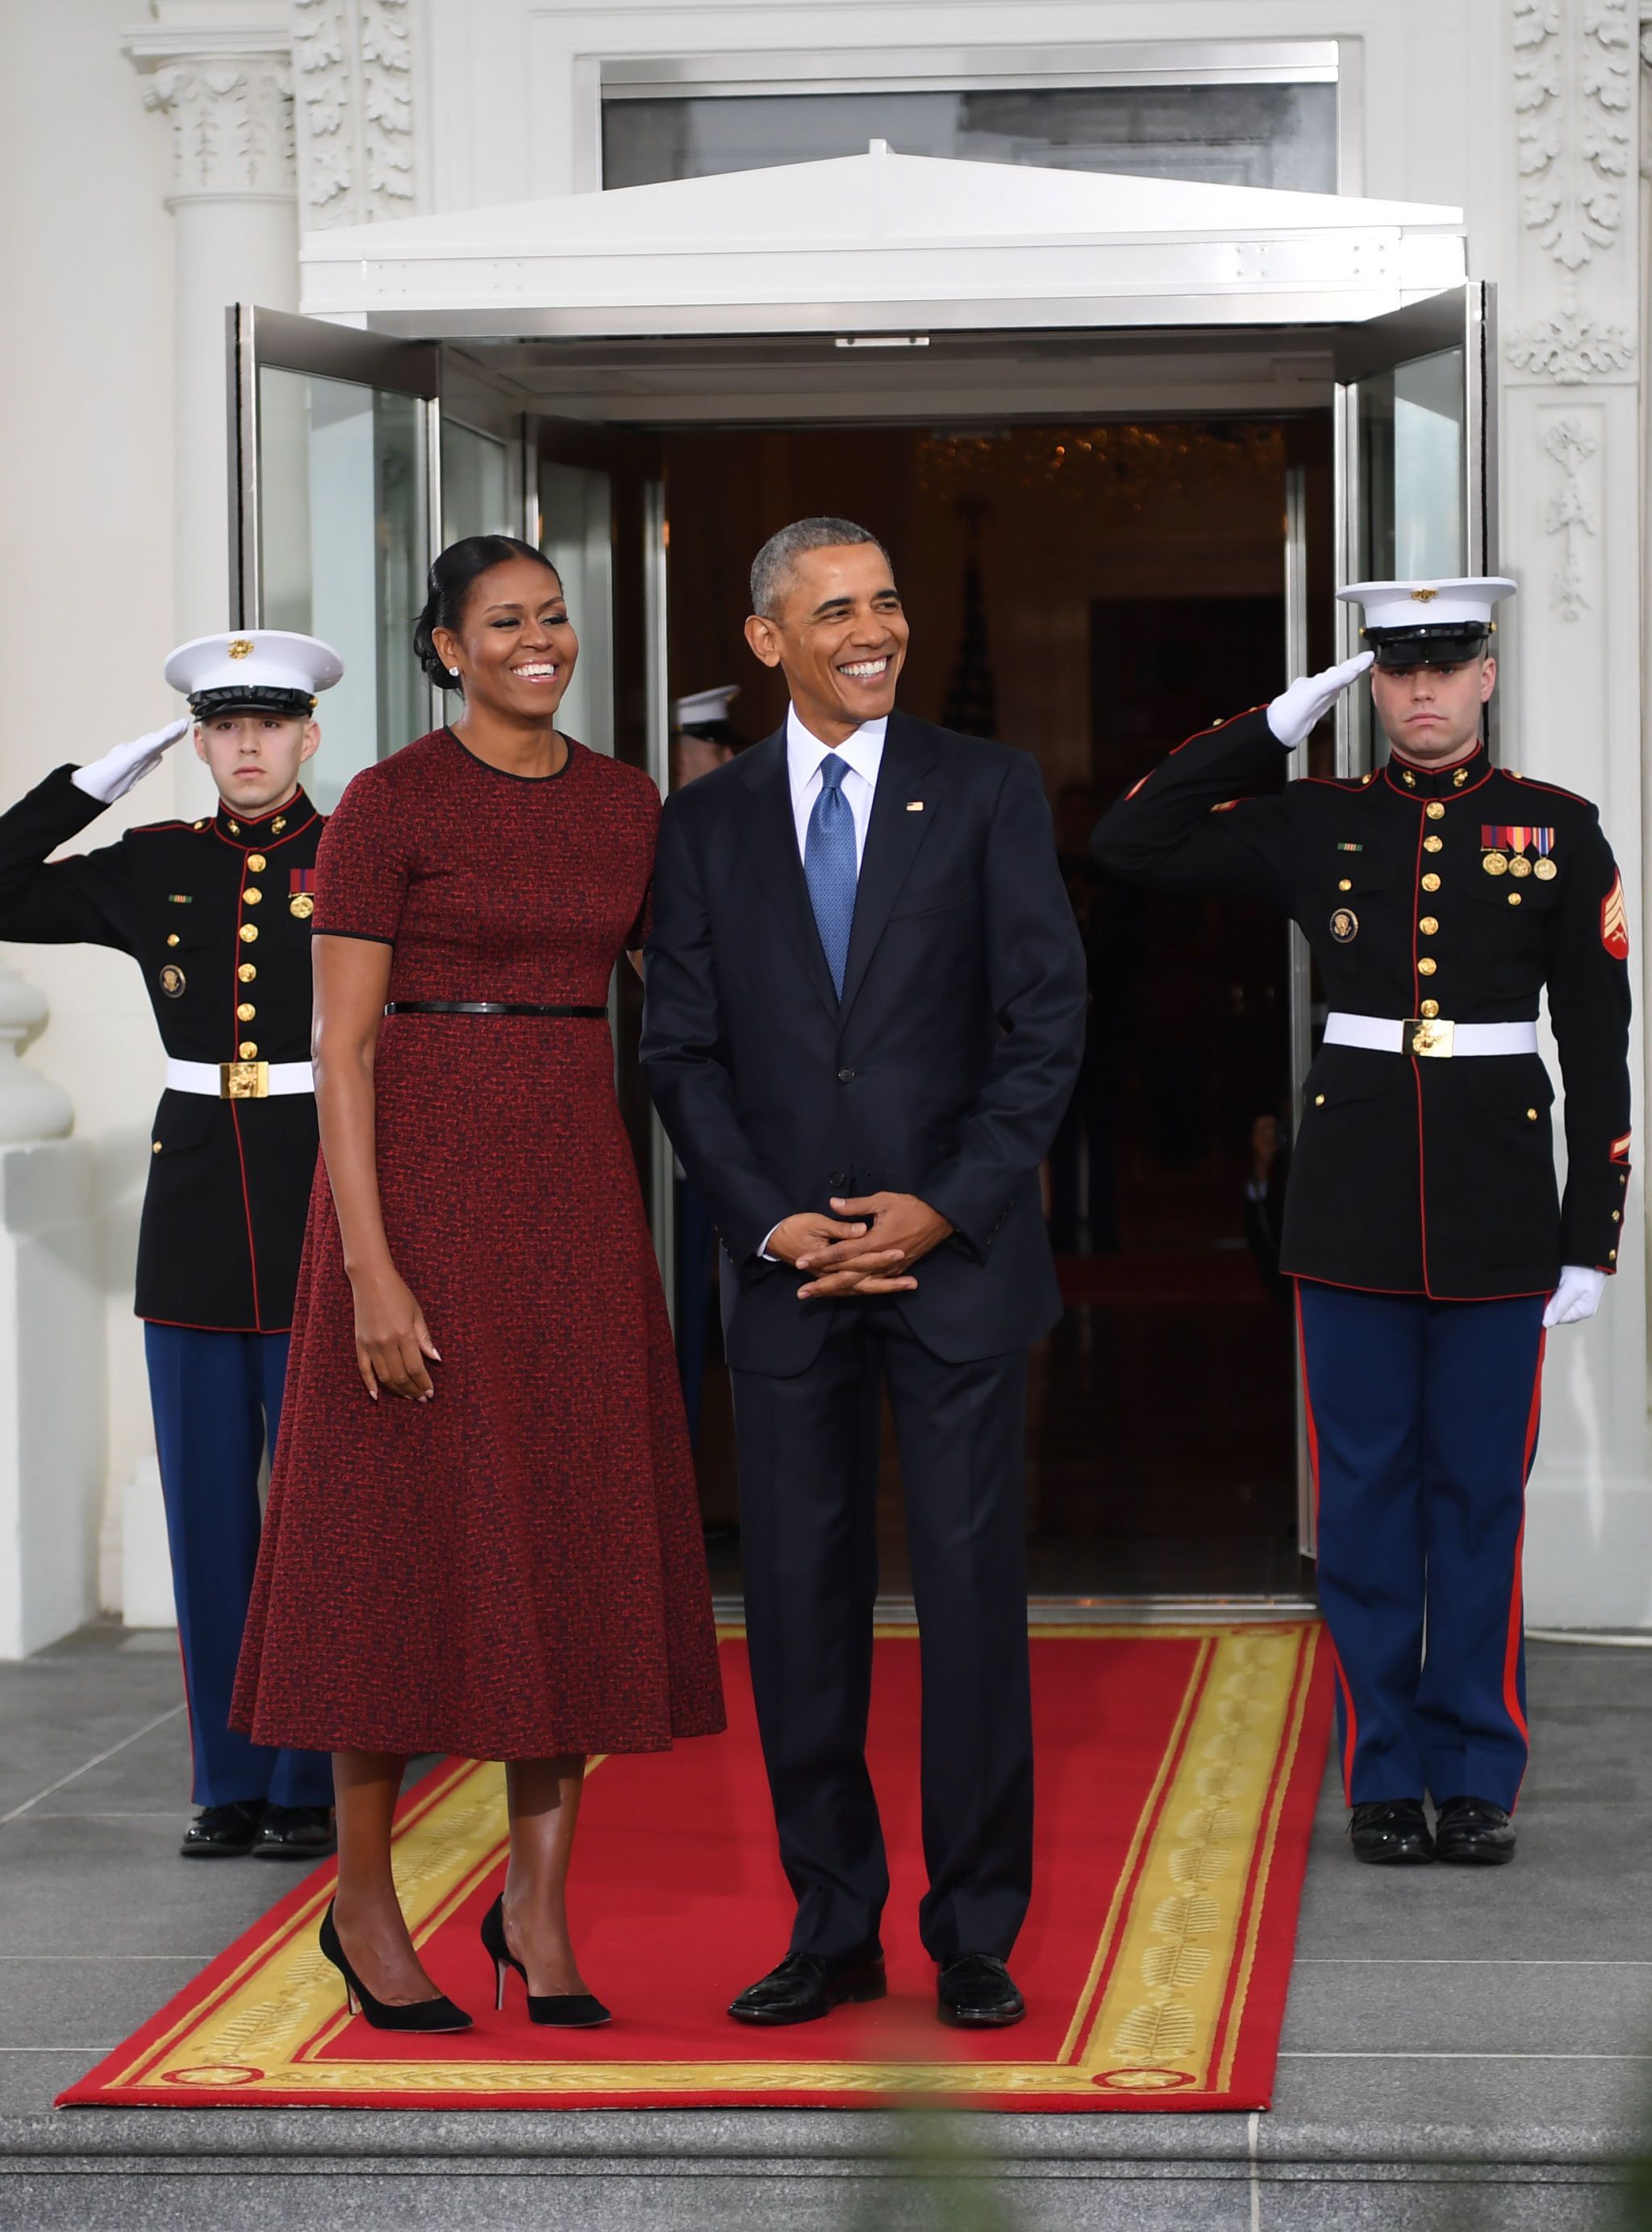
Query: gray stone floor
x: 1459, y: 2050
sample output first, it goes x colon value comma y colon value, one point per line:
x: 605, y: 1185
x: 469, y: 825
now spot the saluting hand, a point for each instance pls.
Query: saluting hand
x: 112, y: 776
x: 392, y: 1339
x: 1297, y: 711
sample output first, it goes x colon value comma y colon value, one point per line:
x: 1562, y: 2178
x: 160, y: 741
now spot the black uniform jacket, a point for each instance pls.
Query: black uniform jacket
x: 943, y: 1071
x: 216, y: 914
x: 1460, y: 894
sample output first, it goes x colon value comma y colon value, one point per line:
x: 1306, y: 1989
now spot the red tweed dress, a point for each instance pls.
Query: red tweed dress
x: 516, y: 1569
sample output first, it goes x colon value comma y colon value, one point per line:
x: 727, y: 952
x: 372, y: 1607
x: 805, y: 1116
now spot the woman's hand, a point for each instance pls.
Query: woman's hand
x: 392, y: 1339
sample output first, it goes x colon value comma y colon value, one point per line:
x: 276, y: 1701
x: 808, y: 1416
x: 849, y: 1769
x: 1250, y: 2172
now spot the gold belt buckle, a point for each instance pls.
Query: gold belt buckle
x: 243, y: 1081
x: 1430, y: 1034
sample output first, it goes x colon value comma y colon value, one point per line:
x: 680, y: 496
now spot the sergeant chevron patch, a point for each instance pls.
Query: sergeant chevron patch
x: 1615, y: 922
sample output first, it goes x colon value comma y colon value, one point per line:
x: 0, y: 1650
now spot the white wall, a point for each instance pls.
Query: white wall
x: 85, y: 562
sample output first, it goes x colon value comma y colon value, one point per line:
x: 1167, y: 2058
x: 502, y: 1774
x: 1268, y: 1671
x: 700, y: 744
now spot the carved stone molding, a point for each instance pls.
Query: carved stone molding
x: 1571, y: 514
x: 232, y: 125
x: 1570, y: 348
x: 353, y: 61
x: 1574, y: 100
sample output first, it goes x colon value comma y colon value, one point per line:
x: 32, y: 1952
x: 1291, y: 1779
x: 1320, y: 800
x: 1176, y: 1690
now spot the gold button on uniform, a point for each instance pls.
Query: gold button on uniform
x: 247, y: 1050
x: 1514, y: 898
x: 1434, y: 811
x: 246, y: 1011
x: 1611, y: 1254
x: 249, y: 932
x: 1433, y: 844
x: 252, y: 895
x: 1430, y: 1010
x: 1531, y: 1115
x: 154, y: 1146
x: 1344, y: 884
x: 246, y: 972
x: 172, y: 937
x: 200, y: 825
x: 1431, y: 882
x: 1319, y: 1099
x: 1428, y: 927
x: 256, y: 863
x: 1618, y: 1216
x: 1426, y: 967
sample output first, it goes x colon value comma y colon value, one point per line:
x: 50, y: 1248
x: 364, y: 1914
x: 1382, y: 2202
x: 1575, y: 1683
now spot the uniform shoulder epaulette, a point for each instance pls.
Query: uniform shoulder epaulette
x: 161, y: 829
x: 1353, y: 782
x: 1554, y: 790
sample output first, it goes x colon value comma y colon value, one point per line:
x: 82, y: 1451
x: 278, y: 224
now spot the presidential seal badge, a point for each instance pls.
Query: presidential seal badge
x: 172, y: 981
x: 1345, y: 925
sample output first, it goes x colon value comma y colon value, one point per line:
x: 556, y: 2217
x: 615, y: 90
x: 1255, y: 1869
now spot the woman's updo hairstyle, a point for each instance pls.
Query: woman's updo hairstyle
x: 453, y: 574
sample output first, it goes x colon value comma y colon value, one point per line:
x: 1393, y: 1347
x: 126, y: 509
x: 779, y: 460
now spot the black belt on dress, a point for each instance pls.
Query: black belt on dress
x: 493, y: 1008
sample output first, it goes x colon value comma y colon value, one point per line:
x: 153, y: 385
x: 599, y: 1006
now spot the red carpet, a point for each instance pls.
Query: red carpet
x: 1177, y: 1768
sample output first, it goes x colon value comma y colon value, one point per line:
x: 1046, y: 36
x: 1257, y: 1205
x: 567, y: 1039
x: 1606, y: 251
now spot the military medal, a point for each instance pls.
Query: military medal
x: 172, y: 981
x: 1545, y: 870
x: 1345, y: 925
x: 1495, y: 864
x: 300, y: 883
x: 1520, y: 865
x: 301, y: 905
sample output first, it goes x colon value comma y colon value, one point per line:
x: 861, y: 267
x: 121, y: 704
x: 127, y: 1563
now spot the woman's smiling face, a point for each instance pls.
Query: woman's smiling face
x: 515, y: 648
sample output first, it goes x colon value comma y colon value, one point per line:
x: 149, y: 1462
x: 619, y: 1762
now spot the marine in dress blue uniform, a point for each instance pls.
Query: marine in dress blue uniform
x: 216, y: 914
x: 1442, y: 897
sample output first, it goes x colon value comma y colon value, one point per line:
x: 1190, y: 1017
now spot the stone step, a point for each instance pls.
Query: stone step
x: 706, y: 2170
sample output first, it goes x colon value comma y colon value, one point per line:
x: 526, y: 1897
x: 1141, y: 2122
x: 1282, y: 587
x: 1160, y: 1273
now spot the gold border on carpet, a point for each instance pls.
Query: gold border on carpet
x: 1160, y: 2011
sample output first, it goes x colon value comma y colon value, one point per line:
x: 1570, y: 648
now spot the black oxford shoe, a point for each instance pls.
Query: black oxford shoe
x: 976, y: 1991
x: 1391, y: 1833
x: 1474, y: 1834
x: 222, y: 1833
x: 296, y: 1833
x: 806, y: 1986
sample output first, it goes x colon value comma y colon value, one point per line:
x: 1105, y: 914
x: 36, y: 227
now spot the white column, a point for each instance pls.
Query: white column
x: 1573, y: 511
x: 222, y: 78
x: 51, y: 1445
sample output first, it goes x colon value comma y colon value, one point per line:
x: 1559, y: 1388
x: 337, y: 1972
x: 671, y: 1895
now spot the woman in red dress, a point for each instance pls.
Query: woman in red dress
x: 482, y: 1536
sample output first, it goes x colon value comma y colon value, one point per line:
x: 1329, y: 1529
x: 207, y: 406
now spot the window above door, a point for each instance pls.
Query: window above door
x: 1278, y: 114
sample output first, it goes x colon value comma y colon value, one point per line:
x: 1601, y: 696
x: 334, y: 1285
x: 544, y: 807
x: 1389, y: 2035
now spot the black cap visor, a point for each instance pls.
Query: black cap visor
x: 1427, y: 646
x: 284, y: 704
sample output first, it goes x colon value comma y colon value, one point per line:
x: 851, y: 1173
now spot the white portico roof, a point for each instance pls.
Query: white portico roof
x: 885, y: 242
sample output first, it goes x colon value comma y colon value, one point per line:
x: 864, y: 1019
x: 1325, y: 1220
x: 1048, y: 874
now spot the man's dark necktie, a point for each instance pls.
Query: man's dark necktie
x: 829, y: 866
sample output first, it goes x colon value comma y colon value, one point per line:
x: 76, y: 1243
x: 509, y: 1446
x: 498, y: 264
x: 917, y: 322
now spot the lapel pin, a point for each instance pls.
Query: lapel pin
x: 915, y: 806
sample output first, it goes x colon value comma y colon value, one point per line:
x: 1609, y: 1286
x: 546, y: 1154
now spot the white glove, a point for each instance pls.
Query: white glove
x: 112, y: 776
x: 1299, y: 711
x: 1577, y: 1297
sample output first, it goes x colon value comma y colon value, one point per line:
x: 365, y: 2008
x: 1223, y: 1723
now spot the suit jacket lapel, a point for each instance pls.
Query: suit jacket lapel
x: 771, y: 847
x: 893, y: 841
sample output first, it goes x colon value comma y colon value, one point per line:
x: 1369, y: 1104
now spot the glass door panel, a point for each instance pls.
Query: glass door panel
x: 333, y: 504
x: 476, y: 483
x: 576, y: 533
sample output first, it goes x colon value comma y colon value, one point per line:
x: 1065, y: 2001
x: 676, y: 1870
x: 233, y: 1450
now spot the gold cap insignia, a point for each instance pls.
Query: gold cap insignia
x: 241, y: 646
x: 1418, y: 597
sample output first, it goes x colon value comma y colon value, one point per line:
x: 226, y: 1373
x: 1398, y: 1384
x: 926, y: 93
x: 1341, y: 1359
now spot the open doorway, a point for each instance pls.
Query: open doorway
x: 1091, y: 594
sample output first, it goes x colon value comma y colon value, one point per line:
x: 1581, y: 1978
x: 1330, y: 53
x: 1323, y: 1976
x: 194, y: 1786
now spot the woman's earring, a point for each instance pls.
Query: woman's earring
x: 454, y: 672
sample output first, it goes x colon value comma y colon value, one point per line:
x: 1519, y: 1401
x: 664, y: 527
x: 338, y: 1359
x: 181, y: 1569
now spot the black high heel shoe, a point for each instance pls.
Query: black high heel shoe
x: 438, y: 2014
x: 563, y: 2010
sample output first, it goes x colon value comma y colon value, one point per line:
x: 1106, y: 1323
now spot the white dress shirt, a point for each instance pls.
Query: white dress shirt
x: 804, y: 754
x: 863, y: 752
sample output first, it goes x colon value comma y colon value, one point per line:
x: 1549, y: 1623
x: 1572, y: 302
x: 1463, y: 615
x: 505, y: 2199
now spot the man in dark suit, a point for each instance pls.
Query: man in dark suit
x: 865, y: 1009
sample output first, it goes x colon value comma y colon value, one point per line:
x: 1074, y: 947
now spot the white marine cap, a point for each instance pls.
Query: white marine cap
x: 705, y: 707
x: 1428, y: 616
x: 259, y: 669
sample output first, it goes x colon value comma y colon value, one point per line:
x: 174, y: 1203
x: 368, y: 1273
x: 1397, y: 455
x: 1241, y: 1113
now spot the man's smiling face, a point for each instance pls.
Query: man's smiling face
x: 839, y: 635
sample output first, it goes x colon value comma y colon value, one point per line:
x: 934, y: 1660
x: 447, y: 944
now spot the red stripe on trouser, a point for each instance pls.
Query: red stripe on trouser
x: 1517, y: 1595
x: 1350, y: 1718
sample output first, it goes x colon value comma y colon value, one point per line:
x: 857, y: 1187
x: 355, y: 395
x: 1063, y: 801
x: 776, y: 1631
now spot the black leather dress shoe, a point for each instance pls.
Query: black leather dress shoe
x: 976, y: 1991
x: 806, y: 1986
x: 1391, y: 1833
x: 222, y: 1833
x: 1473, y: 1833
x: 296, y: 1833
